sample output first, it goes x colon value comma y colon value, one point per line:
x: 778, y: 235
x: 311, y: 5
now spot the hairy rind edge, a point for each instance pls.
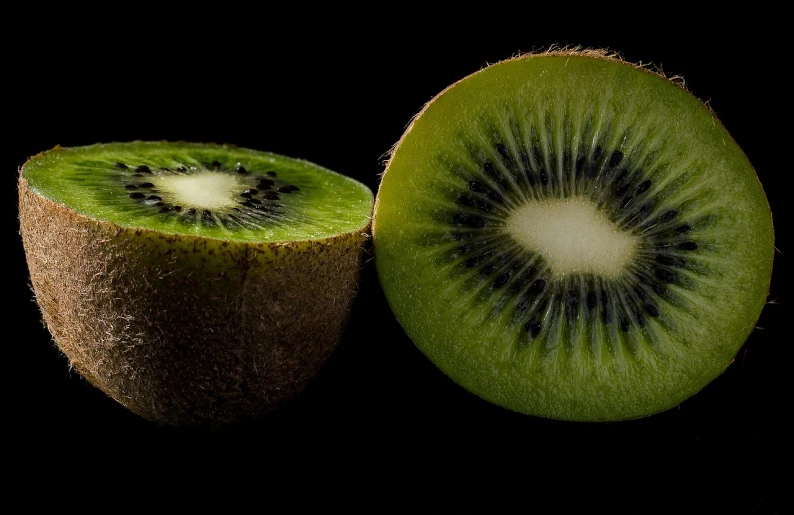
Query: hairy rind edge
x: 132, y: 364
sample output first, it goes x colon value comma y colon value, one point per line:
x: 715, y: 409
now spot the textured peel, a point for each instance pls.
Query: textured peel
x: 183, y: 329
x: 571, y: 379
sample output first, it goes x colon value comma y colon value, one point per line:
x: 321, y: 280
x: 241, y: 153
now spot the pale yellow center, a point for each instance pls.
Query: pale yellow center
x: 573, y: 236
x: 205, y: 190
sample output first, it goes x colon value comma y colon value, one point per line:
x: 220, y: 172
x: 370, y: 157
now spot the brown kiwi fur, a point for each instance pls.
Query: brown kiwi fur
x: 187, y: 330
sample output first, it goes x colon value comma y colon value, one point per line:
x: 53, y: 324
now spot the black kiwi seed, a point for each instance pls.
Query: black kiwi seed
x: 164, y: 209
x: 468, y: 220
x: 473, y: 261
x: 284, y: 189
x: 571, y: 303
x: 665, y: 275
x: 688, y: 245
x: 137, y: 195
x: 623, y: 190
x: 206, y: 213
x: 181, y: 169
x: 251, y: 191
x: 477, y: 203
x: 544, y: 177
x: 644, y: 186
x: 537, y: 287
x: 502, y: 279
x: 592, y: 300
x: 668, y: 216
x: 665, y: 259
x: 489, y: 169
x: 478, y: 187
x: 146, y: 185
x: 533, y: 327
x: 245, y: 194
x: 652, y: 310
x: 191, y: 211
x: 177, y: 208
x: 638, y: 317
x: 142, y: 169
x: 606, y: 313
x: 272, y: 174
x: 495, y: 196
x: 270, y: 195
x: 241, y: 169
x: 216, y: 164
x: 131, y: 187
x: 580, y: 165
x: 255, y: 201
x: 153, y: 197
x: 488, y: 270
x: 121, y: 165
x: 264, y: 184
x: 502, y: 150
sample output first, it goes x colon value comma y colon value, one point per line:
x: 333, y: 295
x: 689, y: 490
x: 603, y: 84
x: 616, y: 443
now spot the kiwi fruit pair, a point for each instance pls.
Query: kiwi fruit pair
x: 571, y: 236
x: 195, y: 284
x: 564, y: 234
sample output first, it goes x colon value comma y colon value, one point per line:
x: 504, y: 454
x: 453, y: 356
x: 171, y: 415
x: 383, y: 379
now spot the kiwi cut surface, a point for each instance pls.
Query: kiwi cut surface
x: 195, y: 284
x: 569, y: 235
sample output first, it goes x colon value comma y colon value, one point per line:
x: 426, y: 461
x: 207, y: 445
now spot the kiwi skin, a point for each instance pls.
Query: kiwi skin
x: 187, y: 330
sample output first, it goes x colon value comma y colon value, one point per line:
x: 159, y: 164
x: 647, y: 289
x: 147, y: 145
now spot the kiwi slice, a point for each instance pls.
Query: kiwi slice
x: 569, y: 235
x: 195, y: 284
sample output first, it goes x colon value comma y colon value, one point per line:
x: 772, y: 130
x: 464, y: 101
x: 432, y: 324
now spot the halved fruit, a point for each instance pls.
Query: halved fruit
x: 571, y: 236
x: 195, y: 284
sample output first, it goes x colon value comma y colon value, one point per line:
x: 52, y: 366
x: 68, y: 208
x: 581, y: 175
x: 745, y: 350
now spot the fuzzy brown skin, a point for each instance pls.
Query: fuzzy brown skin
x: 187, y: 330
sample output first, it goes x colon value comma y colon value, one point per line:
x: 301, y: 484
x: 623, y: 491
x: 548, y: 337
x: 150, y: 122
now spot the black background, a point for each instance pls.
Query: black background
x: 341, y: 97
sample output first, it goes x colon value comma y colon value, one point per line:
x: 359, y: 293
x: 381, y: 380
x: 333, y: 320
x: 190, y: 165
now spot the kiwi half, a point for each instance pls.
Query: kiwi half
x: 195, y: 284
x: 569, y: 235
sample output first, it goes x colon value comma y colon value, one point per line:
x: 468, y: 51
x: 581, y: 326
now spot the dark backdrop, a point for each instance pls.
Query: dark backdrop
x: 341, y: 97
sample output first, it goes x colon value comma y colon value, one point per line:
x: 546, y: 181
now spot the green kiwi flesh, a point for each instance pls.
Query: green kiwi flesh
x: 195, y: 284
x: 571, y: 236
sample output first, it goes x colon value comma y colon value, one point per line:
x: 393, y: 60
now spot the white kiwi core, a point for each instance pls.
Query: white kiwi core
x: 573, y: 236
x: 205, y: 190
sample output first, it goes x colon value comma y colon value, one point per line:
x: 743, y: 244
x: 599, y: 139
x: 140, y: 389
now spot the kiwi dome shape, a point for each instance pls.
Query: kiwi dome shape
x: 195, y: 284
x: 571, y: 236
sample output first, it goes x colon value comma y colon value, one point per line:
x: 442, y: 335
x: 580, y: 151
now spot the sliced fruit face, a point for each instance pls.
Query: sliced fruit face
x: 572, y: 236
x: 194, y: 284
x: 213, y: 191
